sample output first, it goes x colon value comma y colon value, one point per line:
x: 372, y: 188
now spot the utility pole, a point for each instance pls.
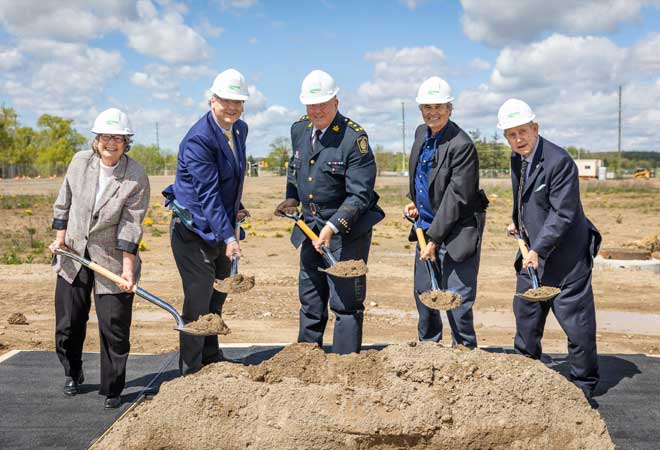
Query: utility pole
x: 157, y: 140
x: 403, y: 138
x: 619, y: 141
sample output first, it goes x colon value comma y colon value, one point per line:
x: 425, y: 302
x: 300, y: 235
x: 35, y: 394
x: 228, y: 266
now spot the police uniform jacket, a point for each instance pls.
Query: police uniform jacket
x: 553, y: 221
x: 106, y: 228
x: 209, y: 179
x: 335, y: 182
x: 453, y: 191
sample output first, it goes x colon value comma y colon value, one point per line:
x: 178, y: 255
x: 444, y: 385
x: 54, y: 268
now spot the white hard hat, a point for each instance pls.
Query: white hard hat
x: 513, y: 113
x: 231, y: 85
x: 112, y: 121
x: 434, y: 91
x: 317, y: 87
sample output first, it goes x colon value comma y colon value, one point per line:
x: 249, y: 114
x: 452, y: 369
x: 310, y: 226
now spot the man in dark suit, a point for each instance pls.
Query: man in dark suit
x: 332, y: 172
x: 450, y: 208
x: 548, y: 213
x: 206, y: 204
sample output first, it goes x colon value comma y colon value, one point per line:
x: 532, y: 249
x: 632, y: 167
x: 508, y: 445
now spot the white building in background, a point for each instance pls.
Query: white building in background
x: 589, y: 168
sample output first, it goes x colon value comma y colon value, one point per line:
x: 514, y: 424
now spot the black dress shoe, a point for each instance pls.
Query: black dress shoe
x: 71, y: 384
x: 112, y: 402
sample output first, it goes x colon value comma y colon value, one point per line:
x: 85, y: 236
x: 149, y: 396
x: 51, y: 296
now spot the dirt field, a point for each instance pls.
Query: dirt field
x: 628, y: 303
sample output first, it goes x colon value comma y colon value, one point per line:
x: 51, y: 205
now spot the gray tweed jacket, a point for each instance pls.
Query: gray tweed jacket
x: 108, y: 229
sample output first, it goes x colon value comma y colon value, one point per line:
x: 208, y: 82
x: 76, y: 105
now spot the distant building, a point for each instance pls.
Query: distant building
x: 589, y: 168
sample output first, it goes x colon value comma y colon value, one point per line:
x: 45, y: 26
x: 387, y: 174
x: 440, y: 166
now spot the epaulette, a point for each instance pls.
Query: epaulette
x: 302, y: 118
x: 353, y: 125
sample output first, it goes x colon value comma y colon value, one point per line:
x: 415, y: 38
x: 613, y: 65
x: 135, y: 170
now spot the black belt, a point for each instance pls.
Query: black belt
x: 316, y: 207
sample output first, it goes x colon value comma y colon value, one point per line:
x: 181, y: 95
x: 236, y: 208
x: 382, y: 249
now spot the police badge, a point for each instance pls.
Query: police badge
x: 363, y: 144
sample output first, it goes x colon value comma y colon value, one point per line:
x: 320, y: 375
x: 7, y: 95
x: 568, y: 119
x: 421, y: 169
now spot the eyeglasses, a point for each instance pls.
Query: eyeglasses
x: 227, y: 101
x: 115, y: 137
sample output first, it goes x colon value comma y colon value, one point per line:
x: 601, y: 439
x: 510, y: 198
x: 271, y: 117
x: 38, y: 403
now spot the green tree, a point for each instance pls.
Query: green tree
x: 149, y: 157
x: 280, y: 153
x: 57, y: 141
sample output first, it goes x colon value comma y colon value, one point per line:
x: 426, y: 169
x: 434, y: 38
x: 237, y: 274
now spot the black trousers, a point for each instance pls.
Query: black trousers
x: 575, y: 312
x: 114, y: 313
x: 199, y: 265
x: 345, y: 296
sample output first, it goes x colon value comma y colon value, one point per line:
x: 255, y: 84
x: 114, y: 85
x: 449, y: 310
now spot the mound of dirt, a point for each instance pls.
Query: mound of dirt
x: 348, y: 269
x: 208, y: 325
x: 17, y: 319
x: 540, y: 294
x: 234, y: 285
x: 422, y: 396
x: 650, y: 243
x: 442, y: 300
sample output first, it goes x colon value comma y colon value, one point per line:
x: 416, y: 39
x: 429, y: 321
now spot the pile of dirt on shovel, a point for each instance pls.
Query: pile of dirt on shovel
x: 422, y: 396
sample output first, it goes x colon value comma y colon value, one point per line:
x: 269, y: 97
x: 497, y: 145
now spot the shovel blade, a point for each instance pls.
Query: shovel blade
x: 347, y: 269
x: 542, y: 294
x: 440, y: 300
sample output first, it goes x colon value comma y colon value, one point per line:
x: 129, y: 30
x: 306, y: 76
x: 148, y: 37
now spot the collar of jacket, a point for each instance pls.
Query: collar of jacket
x: 117, y: 176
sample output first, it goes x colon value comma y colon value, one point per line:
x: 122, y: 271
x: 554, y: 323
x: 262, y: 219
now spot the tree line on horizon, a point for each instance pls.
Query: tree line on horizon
x: 48, y: 149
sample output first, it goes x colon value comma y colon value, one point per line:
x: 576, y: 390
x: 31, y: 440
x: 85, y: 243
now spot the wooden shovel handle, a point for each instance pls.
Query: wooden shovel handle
x: 307, y: 230
x: 109, y: 275
x: 420, y: 238
x: 523, y: 248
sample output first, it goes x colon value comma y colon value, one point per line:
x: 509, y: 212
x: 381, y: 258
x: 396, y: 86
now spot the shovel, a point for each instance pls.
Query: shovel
x: 537, y: 293
x: 235, y: 283
x: 344, y: 269
x: 435, y: 298
x: 180, y: 325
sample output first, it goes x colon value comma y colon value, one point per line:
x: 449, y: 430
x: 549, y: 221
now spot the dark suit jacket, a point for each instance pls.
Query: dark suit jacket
x: 209, y: 180
x: 453, y: 190
x: 553, y: 218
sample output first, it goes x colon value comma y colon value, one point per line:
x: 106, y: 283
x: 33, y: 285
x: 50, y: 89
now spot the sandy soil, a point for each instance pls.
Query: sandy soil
x: 628, y: 303
x: 405, y: 396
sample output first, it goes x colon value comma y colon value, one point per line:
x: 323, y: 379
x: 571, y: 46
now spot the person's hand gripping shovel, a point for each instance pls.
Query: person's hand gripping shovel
x: 435, y: 298
x: 538, y: 293
x: 236, y: 283
x: 204, y: 326
x: 343, y: 269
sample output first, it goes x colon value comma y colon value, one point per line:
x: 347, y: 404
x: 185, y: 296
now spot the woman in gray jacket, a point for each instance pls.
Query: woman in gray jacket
x: 98, y: 213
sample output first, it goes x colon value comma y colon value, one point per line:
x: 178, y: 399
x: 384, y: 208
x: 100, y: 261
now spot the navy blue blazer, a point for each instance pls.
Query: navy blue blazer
x: 209, y: 180
x: 553, y: 218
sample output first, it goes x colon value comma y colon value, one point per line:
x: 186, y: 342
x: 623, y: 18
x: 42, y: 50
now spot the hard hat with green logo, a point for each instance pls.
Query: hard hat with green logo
x: 112, y: 121
x: 434, y: 91
x: 513, y: 113
x: 231, y: 85
x: 317, y: 87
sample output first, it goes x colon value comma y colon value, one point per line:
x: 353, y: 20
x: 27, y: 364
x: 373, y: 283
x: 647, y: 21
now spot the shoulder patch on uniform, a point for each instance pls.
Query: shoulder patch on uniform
x: 303, y: 118
x: 363, y: 143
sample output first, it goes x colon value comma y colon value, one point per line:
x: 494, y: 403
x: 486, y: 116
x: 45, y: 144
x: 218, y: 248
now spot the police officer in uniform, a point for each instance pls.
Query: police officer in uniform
x: 331, y: 174
x: 548, y: 213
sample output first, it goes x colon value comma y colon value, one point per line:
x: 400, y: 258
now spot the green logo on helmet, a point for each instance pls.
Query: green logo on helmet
x: 234, y: 87
x: 432, y: 92
x: 111, y: 122
x: 315, y: 91
x: 514, y: 114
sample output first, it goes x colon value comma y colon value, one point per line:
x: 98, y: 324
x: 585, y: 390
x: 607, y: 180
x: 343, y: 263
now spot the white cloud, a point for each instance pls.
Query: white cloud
x: 166, y: 37
x: 253, y: 40
x: 237, y: 4
x: 479, y: 64
x: 71, y: 21
x: 496, y: 23
x: 256, y: 101
x: 266, y: 125
x: 10, y: 58
x: 412, y: 4
x: 571, y: 83
x: 86, y: 70
x: 209, y: 29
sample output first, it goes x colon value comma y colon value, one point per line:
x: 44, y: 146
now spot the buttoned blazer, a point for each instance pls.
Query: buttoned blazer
x: 453, y: 190
x: 553, y: 218
x: 105, y: 229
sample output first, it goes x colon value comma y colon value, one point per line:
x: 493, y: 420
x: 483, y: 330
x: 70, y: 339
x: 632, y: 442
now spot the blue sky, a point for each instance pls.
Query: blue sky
x: 156, y: 59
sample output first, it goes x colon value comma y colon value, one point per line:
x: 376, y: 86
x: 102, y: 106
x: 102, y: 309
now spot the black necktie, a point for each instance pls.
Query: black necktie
x: 316, y: 145
x: 521, y: 188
